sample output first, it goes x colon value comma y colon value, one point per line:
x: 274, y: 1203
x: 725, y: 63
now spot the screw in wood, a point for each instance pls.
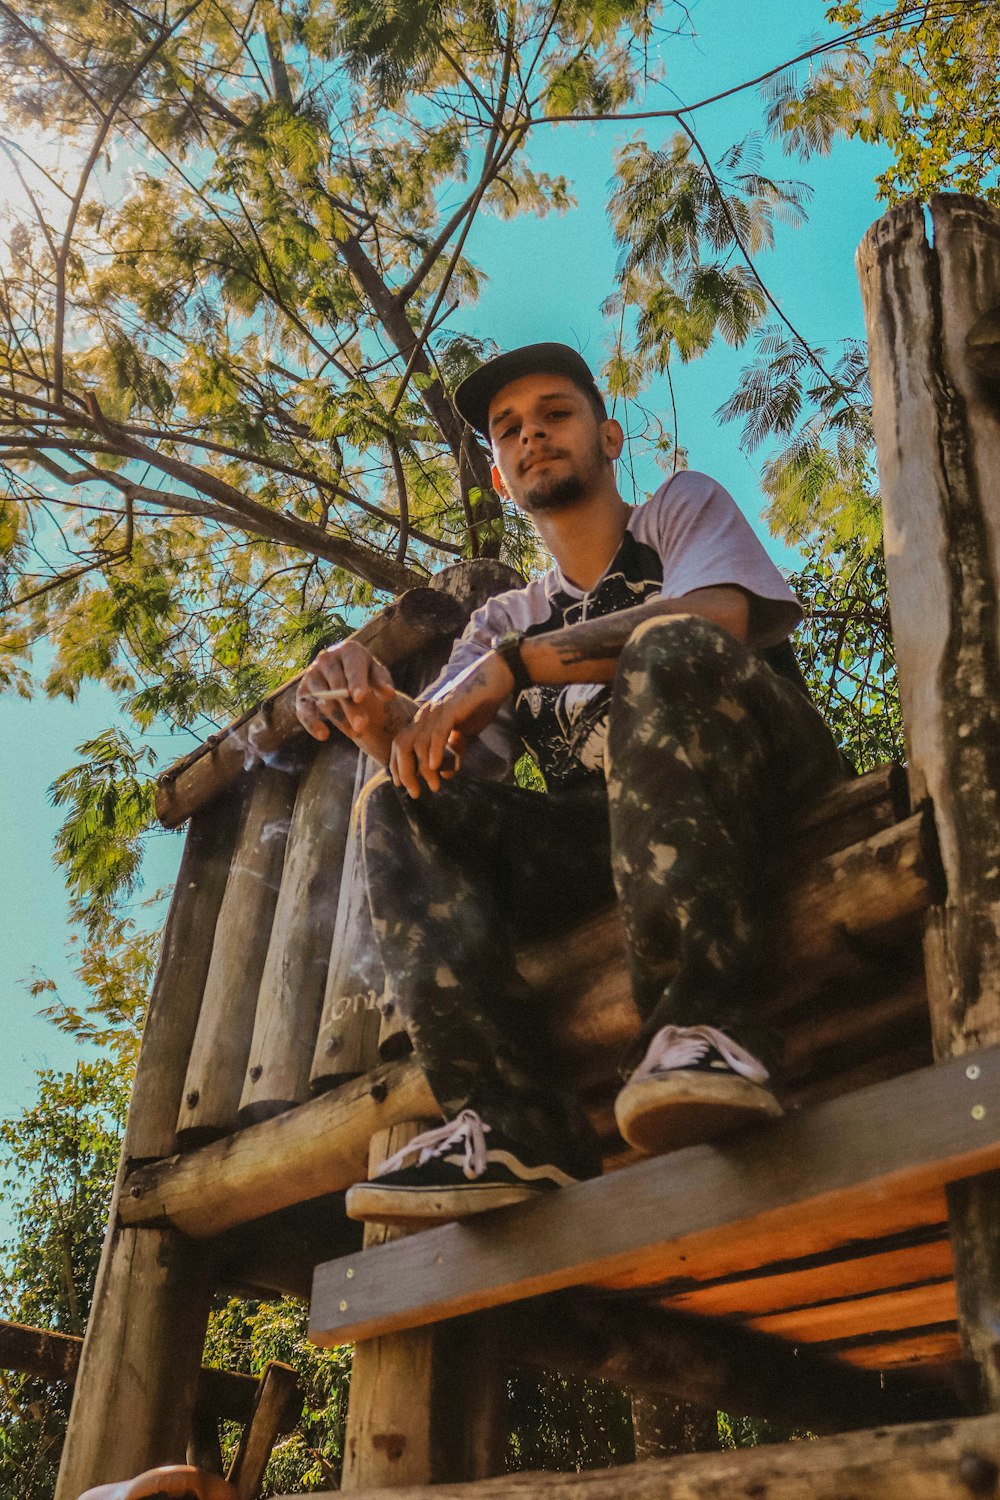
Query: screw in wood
x: 378, y: 1092
x: 350, y: 1272
x: 255, y: 1072
x: 343, y: 1307
x: 978, y: 1112
x: 972, y: 1071
x: 191, y: 1100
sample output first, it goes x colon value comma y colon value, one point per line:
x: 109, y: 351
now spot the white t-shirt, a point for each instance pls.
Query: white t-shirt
x: 689, y: 535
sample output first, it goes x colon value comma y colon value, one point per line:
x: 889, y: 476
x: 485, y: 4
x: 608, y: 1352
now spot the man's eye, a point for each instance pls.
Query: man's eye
x: 507, y: 432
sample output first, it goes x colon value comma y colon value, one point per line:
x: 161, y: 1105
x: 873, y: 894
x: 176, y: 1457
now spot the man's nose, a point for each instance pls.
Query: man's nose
x: 532, y: 429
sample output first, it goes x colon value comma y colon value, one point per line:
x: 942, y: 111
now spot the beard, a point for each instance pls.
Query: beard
x: 558, y: 493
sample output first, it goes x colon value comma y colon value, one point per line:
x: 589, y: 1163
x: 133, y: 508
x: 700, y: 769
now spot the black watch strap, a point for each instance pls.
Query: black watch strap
x: 508, y: 646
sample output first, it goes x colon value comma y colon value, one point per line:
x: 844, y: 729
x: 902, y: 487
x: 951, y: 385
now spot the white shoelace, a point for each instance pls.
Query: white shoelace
x: 680, y: 1046
x: 466, y: 1130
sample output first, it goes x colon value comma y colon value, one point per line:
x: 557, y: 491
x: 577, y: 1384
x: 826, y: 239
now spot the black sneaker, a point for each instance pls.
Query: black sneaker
x: 449, y: 1173
x: 694, y: 1084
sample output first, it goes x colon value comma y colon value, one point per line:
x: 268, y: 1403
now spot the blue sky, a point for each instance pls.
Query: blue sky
x: 546, y: 279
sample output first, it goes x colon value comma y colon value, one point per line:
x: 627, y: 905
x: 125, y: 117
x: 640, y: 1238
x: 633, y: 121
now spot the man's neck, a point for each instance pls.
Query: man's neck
x: 584, y: 537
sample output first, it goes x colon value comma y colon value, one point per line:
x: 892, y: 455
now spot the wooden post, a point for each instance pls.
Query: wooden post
x: 347, y: 1042
x: 295, y: 970
x: 221, y: 1044
x: 135, y: 1391
x: 134, y: 1401
x: 931, y: 308
x: 662, y: 1425
x: 425, y: 1404
x: 277, y: 1409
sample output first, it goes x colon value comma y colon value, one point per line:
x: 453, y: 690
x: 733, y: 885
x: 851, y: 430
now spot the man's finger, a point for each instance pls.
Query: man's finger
x: 403, y: 766
x: 381, y: 679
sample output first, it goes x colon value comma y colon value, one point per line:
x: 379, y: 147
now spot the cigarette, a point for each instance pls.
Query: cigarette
x: 327, y: 694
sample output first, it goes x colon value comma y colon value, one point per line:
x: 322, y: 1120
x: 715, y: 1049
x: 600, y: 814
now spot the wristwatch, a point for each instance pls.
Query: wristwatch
x: 508, y: 646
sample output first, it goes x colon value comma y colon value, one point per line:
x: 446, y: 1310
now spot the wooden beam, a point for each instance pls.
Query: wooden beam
x: 930, y: 1461
x: 277, y: 1408
x: 318, y: 1148
x: 56, y: 1357
x: 863, y: 1269
x: 911, y: 1134
x: 721, y: 1366
x: 930, y: 302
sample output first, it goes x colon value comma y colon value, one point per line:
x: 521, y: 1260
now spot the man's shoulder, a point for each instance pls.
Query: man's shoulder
x: 519, y: 608
x: 683, y: 488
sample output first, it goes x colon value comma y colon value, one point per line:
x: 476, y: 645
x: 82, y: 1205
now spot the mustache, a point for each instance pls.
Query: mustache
x: 529, y: 463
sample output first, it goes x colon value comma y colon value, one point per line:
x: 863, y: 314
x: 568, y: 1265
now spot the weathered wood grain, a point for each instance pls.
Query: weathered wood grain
x: 784, y: 1285
x: 318, y: 1148
x: 937, y: 428
x: 294, y: 979
x: 347, y: 1035
x: 910, y: 1134
x: 214, y: 1080
x: 179, y: 983
x: 277, y: 1408
x: 136, y: 1388
x: 931, y: 1461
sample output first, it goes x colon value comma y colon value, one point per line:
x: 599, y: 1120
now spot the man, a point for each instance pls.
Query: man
x: 635, y: 672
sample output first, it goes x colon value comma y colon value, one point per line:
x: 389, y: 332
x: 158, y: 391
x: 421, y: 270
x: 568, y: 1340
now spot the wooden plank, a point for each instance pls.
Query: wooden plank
x: 881, y: 1311
x: 935, y: 1346
x: 912, y: 1133
x: 321, y: 1147
x: 929, y: 298
x: 826, y: 1278
x: 930, y: 1461
x: 217, y: 1065
x: 292, y: 984
x: 715, y: 1364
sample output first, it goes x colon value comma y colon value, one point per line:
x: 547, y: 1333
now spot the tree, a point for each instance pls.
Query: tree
x: 59, y: 1161
x: 229, y: 317
x: 227, y: 391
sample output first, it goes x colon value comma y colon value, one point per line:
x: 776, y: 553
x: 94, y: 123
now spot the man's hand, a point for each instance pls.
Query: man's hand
x: 431, y: 745
x: 358, y: 686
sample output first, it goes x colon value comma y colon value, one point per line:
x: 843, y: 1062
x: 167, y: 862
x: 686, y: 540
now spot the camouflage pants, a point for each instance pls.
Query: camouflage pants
x: 708, y: 753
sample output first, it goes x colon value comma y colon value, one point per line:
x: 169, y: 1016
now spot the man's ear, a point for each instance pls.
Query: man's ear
x: 498, y: 483
x: 612, y: 438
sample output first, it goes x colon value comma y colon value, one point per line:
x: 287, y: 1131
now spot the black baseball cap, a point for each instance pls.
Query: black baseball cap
x: 476, y: 391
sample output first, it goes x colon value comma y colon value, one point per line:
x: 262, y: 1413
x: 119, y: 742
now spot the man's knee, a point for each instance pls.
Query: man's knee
x: 685, y: 643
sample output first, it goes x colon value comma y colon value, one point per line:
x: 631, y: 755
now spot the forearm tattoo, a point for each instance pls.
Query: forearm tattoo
x: 599, y: 640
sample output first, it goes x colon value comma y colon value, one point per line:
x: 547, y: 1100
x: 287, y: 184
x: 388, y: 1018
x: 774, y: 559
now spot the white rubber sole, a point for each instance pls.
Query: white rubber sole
x: 668, y: 1111
x: 372, y: 1204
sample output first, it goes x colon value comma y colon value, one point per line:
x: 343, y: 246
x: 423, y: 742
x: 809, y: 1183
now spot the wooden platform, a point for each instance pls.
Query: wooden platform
x: 826, y: 1228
